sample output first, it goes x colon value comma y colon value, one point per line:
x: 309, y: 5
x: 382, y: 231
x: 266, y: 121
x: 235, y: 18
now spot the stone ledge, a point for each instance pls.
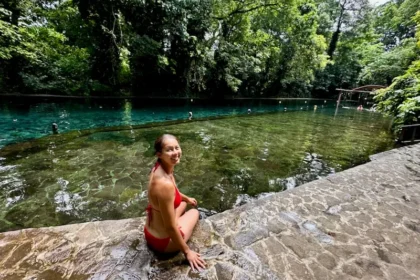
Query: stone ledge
x: 362, y: 223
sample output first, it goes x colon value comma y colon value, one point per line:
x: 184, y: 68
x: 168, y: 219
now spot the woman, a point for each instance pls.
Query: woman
x: 168, y: 226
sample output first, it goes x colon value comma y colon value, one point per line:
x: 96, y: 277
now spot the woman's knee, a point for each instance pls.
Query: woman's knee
x: 194, y: 213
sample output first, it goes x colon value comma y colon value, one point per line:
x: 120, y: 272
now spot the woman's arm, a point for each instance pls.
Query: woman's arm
x: 189, y: 200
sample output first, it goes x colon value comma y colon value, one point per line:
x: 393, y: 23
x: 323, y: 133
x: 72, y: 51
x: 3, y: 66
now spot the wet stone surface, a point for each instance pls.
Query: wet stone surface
x: 363, y: 223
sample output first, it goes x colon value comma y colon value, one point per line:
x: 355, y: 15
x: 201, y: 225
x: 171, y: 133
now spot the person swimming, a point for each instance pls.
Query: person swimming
x: 54, y: 128
x: 169, y: 226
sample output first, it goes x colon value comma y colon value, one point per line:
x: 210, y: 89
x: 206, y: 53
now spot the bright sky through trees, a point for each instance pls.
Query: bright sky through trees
x: 378, y: 2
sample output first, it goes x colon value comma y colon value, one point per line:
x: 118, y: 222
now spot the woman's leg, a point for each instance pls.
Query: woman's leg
x: 186, y: 223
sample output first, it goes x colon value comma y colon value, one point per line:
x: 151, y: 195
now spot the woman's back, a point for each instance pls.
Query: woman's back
x: 158, y: 179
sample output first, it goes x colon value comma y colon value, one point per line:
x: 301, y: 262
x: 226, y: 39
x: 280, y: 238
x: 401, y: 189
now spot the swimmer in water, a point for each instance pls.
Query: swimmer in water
x: 54, y: 128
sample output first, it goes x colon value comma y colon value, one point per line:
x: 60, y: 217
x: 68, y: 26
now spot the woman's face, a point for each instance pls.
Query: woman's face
x: 171, y: 151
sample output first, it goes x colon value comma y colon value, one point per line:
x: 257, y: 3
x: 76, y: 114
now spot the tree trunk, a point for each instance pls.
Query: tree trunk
x: 336, y: 35
x: 15, y: 16
x: 333, y: 43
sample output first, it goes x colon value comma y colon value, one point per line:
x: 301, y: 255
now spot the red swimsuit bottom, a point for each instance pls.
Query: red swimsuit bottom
x: 160, y: 244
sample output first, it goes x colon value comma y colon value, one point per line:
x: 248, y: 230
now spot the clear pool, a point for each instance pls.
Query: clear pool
x: 102, y: 173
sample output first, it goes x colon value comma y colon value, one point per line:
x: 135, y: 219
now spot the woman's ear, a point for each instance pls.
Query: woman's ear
x: 158, y: 154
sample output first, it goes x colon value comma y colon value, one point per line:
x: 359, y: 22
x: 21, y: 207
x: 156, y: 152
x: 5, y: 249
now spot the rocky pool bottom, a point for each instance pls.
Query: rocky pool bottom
x: 362, y: 223
x: 102, y: 174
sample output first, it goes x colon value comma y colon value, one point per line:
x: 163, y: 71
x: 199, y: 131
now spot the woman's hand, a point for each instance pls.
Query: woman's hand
x: 191, y: 200
x: 195, y: 260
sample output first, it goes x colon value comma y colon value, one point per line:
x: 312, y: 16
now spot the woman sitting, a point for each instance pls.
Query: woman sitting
x: 168, y: 226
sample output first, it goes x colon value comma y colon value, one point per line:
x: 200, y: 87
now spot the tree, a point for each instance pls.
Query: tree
x: 349, y: 27
x: 105, y: 21
x: 402, y: 98
x: 35, y: 57
x: 387, y: 65
x: 394, y: 21
x: 346, y: 14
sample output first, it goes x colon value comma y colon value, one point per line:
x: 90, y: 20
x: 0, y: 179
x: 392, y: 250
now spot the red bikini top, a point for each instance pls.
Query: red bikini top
x: 177, y: 199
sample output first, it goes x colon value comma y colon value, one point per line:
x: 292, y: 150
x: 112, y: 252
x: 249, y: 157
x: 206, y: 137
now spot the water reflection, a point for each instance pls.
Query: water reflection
x: 126, y: 118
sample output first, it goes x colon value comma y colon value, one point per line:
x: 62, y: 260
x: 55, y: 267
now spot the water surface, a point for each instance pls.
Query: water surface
x: 97, y: 175
x: 26, y: 118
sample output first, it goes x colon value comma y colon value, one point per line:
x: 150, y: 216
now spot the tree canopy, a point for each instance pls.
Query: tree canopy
x: 205, y: 48
x: 402, y: 98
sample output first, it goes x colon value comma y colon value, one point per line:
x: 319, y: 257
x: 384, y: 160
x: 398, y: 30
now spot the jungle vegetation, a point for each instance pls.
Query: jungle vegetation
x: 212, y: 48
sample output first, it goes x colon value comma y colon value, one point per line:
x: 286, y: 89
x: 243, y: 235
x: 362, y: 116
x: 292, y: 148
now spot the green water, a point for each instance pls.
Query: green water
x: 98, y: 175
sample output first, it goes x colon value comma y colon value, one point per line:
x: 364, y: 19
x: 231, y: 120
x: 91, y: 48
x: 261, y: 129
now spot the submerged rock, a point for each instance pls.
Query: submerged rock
x: 312, y: 168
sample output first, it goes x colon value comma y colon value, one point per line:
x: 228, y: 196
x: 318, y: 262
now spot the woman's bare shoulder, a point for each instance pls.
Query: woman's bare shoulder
x: 161, y: 185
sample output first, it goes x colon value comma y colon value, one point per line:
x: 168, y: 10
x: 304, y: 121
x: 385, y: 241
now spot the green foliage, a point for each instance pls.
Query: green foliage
x: 213, y: 48
x: 348, y: 27
x: 387, y: 65
x: 37, y: 59
x: 402, y: 98
x: 268, y: 48
x: 15, y: 42
x: 394, y: 21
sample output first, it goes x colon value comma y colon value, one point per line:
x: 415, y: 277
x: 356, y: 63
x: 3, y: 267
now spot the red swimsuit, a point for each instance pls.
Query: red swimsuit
x: 160, y: 244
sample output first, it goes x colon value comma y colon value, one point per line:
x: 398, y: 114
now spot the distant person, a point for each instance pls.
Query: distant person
x: 360, y: 108
x: 190, y: 115
x: 249, y: 111
x: 54, y: 128
x: 168, y: 227
x: 315, y: 107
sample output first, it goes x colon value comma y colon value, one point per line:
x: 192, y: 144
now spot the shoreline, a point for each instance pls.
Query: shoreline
x: 161, y: 97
